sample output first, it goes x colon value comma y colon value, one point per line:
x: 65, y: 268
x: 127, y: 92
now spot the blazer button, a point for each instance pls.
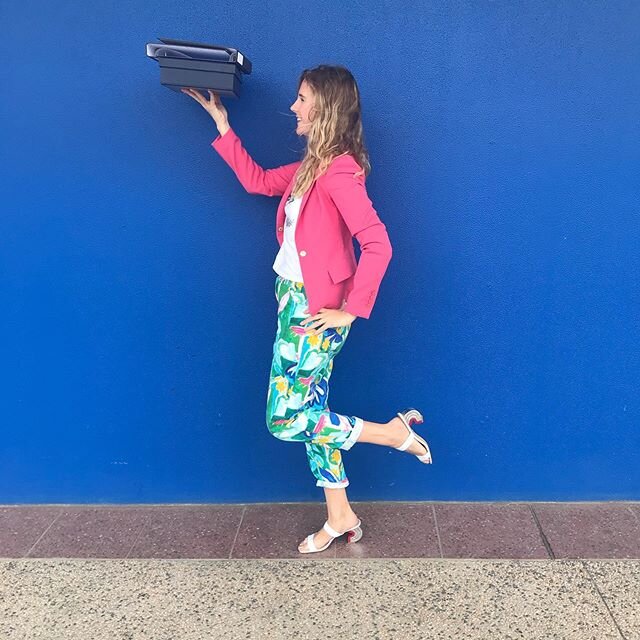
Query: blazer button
x: 303, y: 253
x: 280, y: 228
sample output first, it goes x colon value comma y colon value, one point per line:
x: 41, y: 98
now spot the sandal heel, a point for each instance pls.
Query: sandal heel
x: 353, y: 535
x: 410, y: 417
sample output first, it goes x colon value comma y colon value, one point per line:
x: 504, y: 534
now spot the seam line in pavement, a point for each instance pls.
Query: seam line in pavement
x: 597, y: 588
x: 233, y: 544
x: 543, y: 536
x: 435, y: 520
x: 275, y: 560
x: 43, y: 533
x: 143, y: 525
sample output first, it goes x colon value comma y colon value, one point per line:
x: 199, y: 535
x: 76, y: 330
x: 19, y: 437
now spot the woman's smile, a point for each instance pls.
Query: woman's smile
x: 303, y: 105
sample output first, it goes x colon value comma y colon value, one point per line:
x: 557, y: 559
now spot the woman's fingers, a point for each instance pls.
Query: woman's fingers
x: 196, y: 95
x: 213, y: 106
x: 214, y: 100
x: 317, y: 327
x: 191, y: 93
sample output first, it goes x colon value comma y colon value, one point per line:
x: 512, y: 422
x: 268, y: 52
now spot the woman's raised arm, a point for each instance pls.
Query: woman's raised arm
x: 255, y: 179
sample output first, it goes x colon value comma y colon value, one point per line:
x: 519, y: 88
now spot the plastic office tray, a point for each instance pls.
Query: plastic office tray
x: 201, y: 66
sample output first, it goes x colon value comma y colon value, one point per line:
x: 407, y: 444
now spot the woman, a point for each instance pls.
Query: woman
x: 319, y: 287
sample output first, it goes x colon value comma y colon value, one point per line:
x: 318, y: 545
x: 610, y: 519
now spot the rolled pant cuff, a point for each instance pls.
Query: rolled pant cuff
x: 332, y: 485
x: 353, y: 436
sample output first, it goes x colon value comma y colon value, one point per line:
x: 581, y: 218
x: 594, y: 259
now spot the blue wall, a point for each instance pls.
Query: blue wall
x: 138, y: 312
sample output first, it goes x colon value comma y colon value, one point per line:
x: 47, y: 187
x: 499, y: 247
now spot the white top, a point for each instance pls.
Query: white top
x: 287, y: 262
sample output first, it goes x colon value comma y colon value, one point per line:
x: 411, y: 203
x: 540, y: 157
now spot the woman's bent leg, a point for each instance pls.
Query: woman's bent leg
x: 297, y: 399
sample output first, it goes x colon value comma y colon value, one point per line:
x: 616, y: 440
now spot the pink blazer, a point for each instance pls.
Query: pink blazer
x: 334, y: 209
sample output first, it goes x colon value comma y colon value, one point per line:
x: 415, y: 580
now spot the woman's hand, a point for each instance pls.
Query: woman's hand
x: 326, y: 318
x: 213, y: 107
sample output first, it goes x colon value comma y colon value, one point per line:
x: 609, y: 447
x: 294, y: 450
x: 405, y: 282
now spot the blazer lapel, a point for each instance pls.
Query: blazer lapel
x: 283, y: 200
x: 305, y: 197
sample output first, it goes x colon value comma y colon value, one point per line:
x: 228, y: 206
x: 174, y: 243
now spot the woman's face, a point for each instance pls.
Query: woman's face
x: 301, y: 107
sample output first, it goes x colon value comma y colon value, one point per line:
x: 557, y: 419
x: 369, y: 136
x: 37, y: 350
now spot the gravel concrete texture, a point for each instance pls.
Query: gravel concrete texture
x: 167, y: 599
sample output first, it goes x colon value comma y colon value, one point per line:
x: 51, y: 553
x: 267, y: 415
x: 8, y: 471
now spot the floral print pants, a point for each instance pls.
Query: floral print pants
x: 297, y: 409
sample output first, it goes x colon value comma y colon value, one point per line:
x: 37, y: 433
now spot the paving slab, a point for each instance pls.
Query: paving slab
x: 500, y: 530
x: 591, y: 530
x: 21, y: 527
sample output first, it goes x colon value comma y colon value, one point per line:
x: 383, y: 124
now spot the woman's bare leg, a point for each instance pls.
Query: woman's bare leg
x: 339, y: 511
x: 340, y: 516
x: 389, y: 434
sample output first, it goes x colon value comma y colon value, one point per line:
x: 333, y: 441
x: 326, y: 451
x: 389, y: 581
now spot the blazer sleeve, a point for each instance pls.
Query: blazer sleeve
x: 348, y: 192
x: 255, y: 179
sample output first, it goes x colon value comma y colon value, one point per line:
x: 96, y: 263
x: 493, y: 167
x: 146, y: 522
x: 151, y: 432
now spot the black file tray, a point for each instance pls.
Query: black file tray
x: 200, y: 66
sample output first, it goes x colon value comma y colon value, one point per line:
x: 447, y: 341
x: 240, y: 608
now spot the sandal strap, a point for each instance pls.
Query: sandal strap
x: 423, y: 457
x: 310, y: 545
x: 410, y: 438
x: 330, y: 530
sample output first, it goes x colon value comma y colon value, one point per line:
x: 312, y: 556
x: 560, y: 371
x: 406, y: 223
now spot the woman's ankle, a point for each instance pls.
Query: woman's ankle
x: 343, y: 515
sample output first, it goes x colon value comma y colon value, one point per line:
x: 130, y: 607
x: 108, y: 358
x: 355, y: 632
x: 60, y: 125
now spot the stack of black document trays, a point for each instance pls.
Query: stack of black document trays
x: 200, y: 66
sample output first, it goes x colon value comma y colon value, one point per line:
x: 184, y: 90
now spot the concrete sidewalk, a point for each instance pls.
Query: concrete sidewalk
x: 92, y: 599
x: 422, y: 570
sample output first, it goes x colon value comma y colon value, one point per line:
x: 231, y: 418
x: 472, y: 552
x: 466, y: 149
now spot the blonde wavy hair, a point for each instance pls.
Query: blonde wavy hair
x: 336, y: 125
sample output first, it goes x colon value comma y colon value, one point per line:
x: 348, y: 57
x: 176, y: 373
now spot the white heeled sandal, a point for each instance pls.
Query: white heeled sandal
x: 409, y: 417
x: 353, y: 535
